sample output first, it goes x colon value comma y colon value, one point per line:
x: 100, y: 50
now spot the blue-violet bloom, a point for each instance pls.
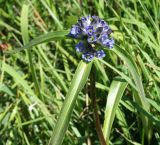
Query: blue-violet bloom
x: 92, y: 31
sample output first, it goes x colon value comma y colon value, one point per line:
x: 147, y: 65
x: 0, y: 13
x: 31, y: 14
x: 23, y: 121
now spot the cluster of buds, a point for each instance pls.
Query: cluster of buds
x: 91, y: 30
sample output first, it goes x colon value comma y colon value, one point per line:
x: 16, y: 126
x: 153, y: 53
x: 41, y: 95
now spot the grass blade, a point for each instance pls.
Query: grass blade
x: 43, y: 38
x: 25, y: 37
x: 115, y: 93
x: 77, y: 84
x: 140, y: 98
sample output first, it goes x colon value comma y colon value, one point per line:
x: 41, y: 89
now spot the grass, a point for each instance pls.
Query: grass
x: 38, y: 65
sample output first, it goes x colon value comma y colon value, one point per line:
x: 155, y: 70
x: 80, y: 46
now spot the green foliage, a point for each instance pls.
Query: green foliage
x: 37, y: 68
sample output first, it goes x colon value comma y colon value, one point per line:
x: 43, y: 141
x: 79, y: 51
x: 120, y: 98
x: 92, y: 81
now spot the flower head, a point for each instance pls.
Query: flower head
x: 91, y: 30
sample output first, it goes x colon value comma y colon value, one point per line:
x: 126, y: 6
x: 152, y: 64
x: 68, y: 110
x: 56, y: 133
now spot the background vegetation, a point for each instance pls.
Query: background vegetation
x: 34, y: 82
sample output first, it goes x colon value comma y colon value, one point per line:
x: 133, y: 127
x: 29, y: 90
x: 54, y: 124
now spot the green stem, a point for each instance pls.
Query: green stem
x: 95, y: 109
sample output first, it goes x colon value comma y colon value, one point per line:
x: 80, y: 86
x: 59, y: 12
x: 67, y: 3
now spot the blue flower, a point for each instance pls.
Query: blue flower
x: 103, y: 37
x: 100, y: 54
x: 84, y: 21
x: 109, y: 43
x: 80, y: 47
x: 92, y: 39
x: 92, y: 31
x: 89, y: 30
x: 75, y: 31
x: 87, y: 56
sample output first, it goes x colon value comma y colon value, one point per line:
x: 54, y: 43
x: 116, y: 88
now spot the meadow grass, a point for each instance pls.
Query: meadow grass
x: 39, y: 74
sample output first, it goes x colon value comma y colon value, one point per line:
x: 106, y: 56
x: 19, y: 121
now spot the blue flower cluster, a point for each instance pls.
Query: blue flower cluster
x: 91, y: 30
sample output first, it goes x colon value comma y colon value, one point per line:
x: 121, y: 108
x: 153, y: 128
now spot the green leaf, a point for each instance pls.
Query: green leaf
x: 123, y: 122
x: 154, y: 104
x: 43, y: 38
x: 4, y: 88
x: 151, y: 117
x: 140, y: 98
x: 128, y: 80
x: 24, y: 23
x: 135, y: 74
x: 77, y: 84
x: 25, y: 37
x: 115, y: 93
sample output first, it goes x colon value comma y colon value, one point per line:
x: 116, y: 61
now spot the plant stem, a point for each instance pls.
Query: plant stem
x: 95, y: 110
